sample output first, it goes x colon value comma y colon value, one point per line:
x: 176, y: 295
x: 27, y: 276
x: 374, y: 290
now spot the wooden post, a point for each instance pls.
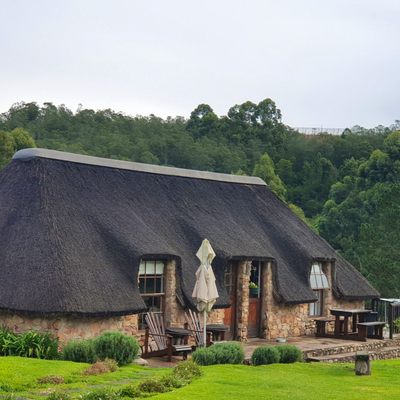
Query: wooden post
x: 363, y: 363
x: 391, y: 324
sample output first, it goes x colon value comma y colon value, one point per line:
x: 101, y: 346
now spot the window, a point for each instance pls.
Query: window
x: 318, y: 282
x: 151, y: 287
x: 230, y: 280
x: 318, y: 279
x: 317, y: 307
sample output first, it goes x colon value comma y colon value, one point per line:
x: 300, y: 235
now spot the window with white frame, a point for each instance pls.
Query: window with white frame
x: 319, y: 283
x: 152, y: 287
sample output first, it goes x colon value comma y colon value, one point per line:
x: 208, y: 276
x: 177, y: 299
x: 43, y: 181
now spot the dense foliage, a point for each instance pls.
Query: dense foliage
x: 289, y: 354
x: 82, y: 351
x: 220, y: 353
x: 29, y: 344
x: 265, y: 355
x: 346, y: 187
x: 116, y: 346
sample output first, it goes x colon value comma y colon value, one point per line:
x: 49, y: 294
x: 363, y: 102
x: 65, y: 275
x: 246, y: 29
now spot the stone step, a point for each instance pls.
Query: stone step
x: 383, y: 353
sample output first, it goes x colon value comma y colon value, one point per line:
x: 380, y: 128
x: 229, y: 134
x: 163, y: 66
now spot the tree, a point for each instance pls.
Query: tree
x: 378, y: 247
x: 11, y: 142
x: 202, y: 121
x: 265, y: 170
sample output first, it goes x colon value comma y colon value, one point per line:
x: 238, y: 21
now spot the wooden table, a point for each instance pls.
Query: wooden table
x: 218, y: 332
x: 342, y: 327
x: 179, y: 335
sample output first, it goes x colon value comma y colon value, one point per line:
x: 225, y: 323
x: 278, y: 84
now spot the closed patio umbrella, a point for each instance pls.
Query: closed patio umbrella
x: 205, y: 291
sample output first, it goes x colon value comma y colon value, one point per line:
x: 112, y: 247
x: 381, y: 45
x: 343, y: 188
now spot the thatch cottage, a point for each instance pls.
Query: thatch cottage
x: 90, y: 244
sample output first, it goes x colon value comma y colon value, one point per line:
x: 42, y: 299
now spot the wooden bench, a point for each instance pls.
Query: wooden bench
x: 363, y: 329
x: 321, y: 325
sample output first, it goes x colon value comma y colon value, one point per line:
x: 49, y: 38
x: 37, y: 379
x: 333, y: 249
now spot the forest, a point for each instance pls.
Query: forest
x: 346, y: 187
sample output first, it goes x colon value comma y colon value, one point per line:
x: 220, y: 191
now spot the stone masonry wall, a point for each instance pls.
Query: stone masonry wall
x: 68, y: 327
x: 243, y: 299
x: 282, y: 320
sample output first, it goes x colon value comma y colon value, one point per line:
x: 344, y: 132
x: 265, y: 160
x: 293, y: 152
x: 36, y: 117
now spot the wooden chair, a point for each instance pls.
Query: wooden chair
x: 194, y: 325
x: 163, y: 341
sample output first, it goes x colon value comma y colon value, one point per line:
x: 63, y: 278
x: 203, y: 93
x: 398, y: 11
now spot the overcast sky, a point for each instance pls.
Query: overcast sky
x: 324, y: 63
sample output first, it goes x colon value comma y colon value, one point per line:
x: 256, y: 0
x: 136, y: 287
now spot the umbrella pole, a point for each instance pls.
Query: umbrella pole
x: 205, y: 338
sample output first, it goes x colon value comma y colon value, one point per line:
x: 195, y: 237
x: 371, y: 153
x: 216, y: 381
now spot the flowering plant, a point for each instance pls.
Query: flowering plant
x: 253, y: 285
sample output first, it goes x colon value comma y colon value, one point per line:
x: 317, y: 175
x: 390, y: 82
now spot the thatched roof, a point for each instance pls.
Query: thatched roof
x: 73, y: 230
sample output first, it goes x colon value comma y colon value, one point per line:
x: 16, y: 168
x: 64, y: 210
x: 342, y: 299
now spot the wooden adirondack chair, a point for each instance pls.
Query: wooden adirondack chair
x: 164, y: 343
x: 194, y: 325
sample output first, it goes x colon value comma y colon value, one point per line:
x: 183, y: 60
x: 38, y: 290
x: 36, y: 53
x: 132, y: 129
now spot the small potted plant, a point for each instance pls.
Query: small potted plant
x: 253, y: 289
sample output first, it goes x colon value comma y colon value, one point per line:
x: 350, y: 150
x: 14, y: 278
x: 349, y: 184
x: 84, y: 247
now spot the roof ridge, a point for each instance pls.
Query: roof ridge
x: 30, y: 154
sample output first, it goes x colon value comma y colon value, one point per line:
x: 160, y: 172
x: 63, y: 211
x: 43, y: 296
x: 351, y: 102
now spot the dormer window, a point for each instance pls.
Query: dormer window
x: 318, y: 279
x: 318, y: 282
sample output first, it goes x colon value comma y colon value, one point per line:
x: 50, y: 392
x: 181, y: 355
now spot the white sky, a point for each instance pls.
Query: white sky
x: 324, y: 63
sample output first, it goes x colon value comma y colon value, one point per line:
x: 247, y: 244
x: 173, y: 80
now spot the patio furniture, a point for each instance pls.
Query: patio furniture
x: 163, y: 340
x: 321, y: 326
x: 342, y: 327
x: 377, y: 330
x: 218, y: 332
x: 179, y: 335
x: 193, y: 323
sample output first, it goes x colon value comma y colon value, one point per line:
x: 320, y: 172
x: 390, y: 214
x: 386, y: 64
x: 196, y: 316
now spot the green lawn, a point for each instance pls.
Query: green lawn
x: 277, y: 381
x: 20, y: 375
x: 294, y: 381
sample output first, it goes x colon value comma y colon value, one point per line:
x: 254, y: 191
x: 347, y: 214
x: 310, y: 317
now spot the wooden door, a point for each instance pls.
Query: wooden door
x: 231, y: 287
x: 253, y: 327
x: 254, y: 316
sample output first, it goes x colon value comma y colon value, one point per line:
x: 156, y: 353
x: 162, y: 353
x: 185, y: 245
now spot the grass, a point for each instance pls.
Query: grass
x: 294, y: 381
x: 20, y: 375
x: 278, y: 381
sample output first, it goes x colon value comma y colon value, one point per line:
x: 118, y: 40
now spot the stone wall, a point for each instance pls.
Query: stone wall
x: 68, y: 327
x: 282, y: 320
x: 243, y: 290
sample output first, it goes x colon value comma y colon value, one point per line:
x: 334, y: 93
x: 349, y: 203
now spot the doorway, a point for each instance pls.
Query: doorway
x: 255, y: 290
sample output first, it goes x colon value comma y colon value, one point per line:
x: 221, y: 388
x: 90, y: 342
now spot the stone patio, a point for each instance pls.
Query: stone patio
x: 315, y: 349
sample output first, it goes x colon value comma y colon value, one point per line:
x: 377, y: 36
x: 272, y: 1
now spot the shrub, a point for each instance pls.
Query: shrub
x: 28, y: 344
x: 187, y: 371
x: 152, y: 386
x: 54, y: 379
x: 97, y: 368
x: 203, y: 356
x: 101, y: 367
x: 59, y: 396
x: 117, y: 346
x: 101, y: 394
x: 80, y: 351
x: 264, y: 355
x: 5, y: 332
x: 37, y: 345
x: 130, y: 391
x: 219, y: 353
x: 227, y: 353
x: 110, y: 364
x: 396, y: 323
x: 172, y: 382
x: 289, y: 354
